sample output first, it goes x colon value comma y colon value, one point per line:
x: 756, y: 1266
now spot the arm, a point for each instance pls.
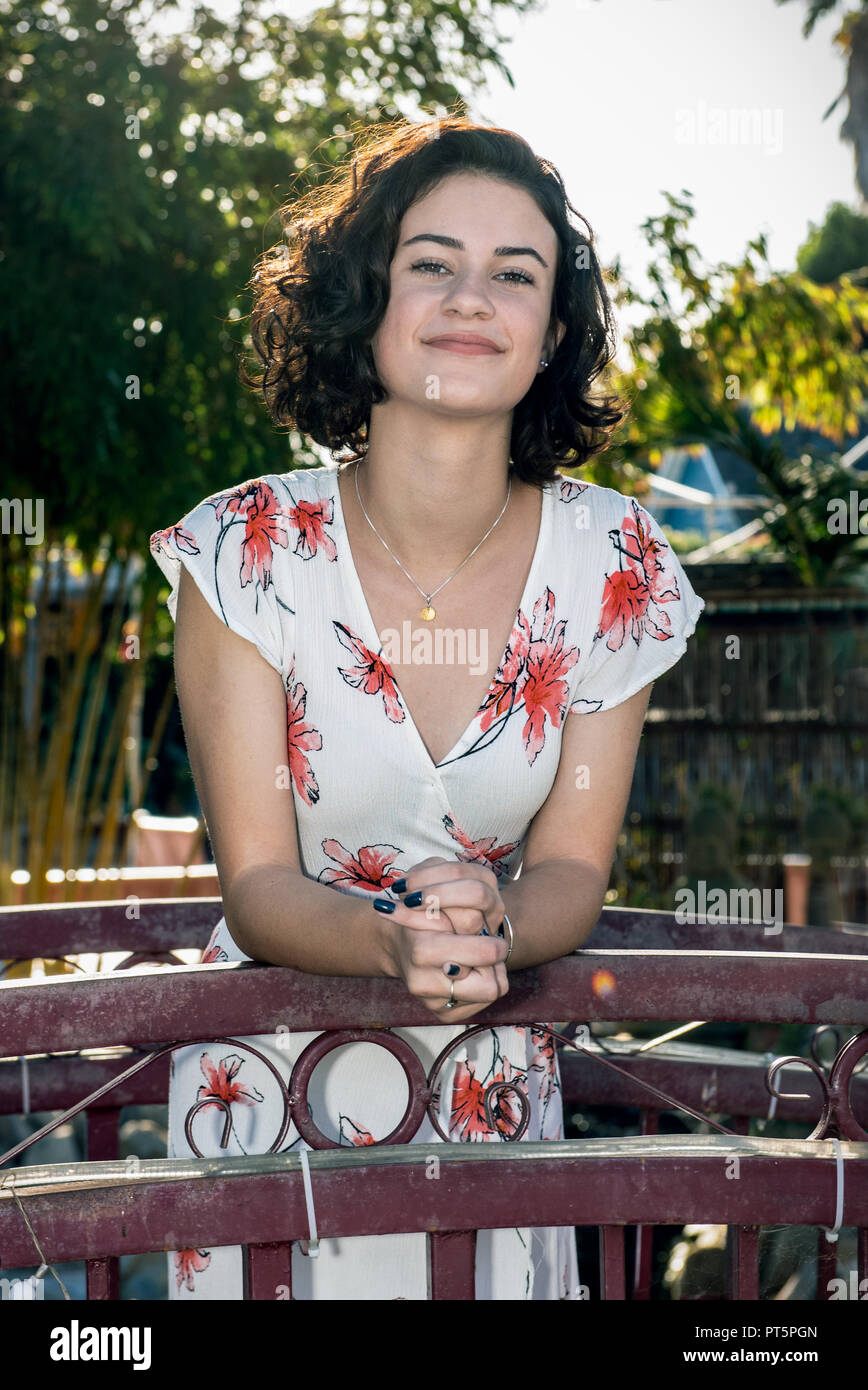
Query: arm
x: 233, y: 706
x: 556, y: 901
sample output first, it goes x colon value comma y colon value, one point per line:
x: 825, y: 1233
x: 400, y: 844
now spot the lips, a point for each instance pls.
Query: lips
x: 468, y: 344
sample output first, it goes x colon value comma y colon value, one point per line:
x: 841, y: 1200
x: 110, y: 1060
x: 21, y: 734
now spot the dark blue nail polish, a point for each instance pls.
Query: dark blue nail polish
x: 453, y: 969
x: 399, y: 886
x: 384, y: 905
x: 414, y: 899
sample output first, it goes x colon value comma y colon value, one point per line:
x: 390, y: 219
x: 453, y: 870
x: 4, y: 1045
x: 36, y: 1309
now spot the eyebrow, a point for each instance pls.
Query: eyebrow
x: 459, y: 246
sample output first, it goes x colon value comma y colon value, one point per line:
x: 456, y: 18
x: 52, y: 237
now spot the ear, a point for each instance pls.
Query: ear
x: 556, y: 334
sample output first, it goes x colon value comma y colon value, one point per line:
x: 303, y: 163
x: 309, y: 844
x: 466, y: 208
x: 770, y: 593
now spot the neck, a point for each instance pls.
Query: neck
x: 435, y: 501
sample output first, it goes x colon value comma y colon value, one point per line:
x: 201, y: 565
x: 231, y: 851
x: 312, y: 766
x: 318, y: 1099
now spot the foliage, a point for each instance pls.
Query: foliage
x: 838, y: 246
x: 816, y: 9
x: 139, y: 176
x: 732, y: 355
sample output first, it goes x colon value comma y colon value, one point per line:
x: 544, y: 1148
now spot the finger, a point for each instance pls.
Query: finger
x: 468, y: 902
x: 464, y: 921
x: 427, y: 949
x: 420, y: 919
x: 480, y: 987
x: 433, y: 870
x: 456, y: 1016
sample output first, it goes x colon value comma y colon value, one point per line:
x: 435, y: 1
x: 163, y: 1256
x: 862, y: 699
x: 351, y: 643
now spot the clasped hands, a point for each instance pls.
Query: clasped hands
x: 460, y: 901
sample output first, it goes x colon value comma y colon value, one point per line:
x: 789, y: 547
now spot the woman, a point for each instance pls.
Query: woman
x: 431, y: 610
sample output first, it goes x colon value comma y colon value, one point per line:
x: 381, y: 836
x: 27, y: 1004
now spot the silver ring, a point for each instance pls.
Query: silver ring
x: 451, y: 1002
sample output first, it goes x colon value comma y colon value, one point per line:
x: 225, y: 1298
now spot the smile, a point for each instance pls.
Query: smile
x: 466, y: 349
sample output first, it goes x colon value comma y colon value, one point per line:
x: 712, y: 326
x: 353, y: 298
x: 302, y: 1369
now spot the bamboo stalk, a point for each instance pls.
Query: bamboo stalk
x: 159, y: 730
x: 99, y: 789
x: 72, y: 849
x: 53, y: 784
x: 105, y: 853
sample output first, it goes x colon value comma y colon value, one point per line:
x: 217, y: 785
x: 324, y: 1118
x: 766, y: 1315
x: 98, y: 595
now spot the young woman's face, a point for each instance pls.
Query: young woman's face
x: 473, y: 288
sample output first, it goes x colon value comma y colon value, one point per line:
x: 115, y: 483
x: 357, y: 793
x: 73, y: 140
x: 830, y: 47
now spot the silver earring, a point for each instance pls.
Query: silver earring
x: 542, y: 363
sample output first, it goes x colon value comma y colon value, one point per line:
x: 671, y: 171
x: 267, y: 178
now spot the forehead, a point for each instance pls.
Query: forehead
x: 478, y: 209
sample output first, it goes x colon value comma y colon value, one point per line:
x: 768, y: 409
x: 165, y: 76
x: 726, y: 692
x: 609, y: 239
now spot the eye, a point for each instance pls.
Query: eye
x: 524, y: 279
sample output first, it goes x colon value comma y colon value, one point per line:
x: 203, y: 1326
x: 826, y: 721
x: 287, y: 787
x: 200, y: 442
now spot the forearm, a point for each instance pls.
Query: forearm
x: 278, y: 915
x: 553, y: 908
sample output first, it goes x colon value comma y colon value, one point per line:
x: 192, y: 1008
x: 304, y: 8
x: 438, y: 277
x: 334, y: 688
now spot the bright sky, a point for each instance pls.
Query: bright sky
x: 721, y: 97
x: 620, y: 95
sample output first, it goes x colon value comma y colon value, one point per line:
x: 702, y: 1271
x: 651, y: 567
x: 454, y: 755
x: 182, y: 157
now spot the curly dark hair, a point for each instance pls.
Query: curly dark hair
x: 320, y: 294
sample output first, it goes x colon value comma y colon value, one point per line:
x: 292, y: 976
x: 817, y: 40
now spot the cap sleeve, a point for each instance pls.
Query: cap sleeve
x: 229, y: 543
x: 646, y: 611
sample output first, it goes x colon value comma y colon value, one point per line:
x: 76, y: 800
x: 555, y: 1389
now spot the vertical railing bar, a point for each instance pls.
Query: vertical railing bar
x: 862, y: 1256
x: 102, y: 1145
x: 613, y: 1270
x: 103, y: 1279
x: 267, y: 1271
x: 452, y: 1265
x: 645, y: 1234
x: 742, y: 1251
x: 103, y: 1139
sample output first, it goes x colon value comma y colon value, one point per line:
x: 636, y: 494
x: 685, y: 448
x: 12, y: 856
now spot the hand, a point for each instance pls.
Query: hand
x: 460, y: 902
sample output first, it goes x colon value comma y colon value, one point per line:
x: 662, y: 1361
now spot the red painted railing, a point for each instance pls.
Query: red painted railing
x: 637, y: 966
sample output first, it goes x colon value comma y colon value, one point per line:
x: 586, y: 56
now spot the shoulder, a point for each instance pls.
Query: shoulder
x: 586, y: 509
x: 266, y: 505
x: 255, y: 495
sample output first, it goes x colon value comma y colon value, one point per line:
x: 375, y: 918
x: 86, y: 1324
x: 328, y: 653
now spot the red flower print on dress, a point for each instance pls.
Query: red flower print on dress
x: 372, y: 675
x: 301, y: 738
x: 532, y: 674
x: 631, y: 594
x: 253, y: 506
x: 190, y: 1262
x: 310, y: 519
x: 213, y: 953
x: 266, y: 524
x: 222, y: 1085
x: 545, y: 1064
x: 545, y: 689
x: 485, y: 851
x: 357, y: 1135
x: 372, y: 869
x: 176, y: 536
x: 570, y: 489
x: 467, y: 1120
x: 504, y: 689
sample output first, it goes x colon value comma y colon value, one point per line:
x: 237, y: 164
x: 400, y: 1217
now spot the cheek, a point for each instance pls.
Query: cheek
x: 398, y: 333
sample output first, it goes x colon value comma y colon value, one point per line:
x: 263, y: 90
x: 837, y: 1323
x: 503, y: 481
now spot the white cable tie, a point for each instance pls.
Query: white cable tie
x: 25, y: 1087
x: 839, y: 1193
x: 311, y: 1246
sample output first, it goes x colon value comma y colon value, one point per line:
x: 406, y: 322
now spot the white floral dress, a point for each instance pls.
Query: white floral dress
x: 606, y: 608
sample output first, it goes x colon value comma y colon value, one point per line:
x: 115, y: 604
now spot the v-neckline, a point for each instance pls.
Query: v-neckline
x: 372, y: 636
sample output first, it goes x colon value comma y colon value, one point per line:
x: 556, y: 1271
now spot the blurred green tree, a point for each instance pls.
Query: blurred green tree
x: 139, y: 170
x: 142, y: 157
x: 839, y: 246
x: 736, y: 356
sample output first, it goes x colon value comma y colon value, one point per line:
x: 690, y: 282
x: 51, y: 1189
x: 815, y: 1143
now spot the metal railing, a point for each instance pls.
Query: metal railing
x: 714, y: 972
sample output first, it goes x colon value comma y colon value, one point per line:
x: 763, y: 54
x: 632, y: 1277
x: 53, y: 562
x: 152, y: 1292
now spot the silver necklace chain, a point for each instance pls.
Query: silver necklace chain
x: 433, y: 594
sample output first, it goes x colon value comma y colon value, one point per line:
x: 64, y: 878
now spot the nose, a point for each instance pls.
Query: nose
x: 468, y: 293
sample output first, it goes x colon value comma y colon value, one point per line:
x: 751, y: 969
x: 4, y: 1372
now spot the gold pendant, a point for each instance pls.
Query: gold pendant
x: 428, y: 613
